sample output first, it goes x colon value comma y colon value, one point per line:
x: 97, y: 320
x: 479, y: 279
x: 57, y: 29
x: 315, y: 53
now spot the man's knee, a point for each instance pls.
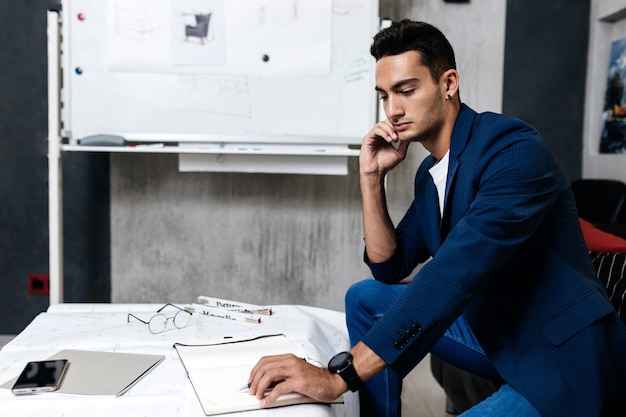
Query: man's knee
x: 359, y: 294
x: 371, y: 296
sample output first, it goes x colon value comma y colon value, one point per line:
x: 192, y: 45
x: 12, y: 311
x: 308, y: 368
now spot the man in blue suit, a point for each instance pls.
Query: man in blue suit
x: 510, y: 292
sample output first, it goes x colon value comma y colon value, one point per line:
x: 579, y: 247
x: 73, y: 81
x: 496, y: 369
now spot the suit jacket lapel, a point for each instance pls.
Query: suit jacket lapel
x: 458, y: 141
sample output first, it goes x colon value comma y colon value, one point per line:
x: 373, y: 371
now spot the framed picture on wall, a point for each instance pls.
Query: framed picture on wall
x: 613, y: 136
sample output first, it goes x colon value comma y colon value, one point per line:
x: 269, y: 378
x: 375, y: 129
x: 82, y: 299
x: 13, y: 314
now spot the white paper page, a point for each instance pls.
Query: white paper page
x: 236, y: 353
x: 219, y: 371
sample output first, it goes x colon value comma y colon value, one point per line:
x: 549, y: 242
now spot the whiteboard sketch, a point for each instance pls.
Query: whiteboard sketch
x: 262, y: 37
x: 135, y: 20
x: 198, y: 36
x: 226, y: 95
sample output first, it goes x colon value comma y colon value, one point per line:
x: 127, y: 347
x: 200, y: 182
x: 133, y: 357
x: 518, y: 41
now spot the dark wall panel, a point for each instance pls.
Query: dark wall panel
x: 24, y: 179
x: 545, y: 65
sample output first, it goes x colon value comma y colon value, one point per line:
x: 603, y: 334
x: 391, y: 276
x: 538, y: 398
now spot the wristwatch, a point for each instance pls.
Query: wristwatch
x: 341, y: 364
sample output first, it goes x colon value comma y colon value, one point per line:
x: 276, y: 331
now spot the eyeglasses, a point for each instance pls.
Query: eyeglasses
x: 158, y: 323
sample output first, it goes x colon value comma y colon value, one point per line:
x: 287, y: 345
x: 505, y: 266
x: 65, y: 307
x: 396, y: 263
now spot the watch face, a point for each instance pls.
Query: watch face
x: 339, y: 361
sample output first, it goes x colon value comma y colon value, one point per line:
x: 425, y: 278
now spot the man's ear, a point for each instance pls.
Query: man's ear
x: 450, y: 81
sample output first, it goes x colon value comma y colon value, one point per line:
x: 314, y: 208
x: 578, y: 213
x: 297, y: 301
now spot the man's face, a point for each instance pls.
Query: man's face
x: 412, y: 101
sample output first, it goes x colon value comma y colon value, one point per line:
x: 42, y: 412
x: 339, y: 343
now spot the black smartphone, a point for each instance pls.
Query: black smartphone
x: 41, y: 376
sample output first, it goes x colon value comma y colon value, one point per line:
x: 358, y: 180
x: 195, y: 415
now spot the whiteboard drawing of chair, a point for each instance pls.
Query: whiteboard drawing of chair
x: 200, y: 29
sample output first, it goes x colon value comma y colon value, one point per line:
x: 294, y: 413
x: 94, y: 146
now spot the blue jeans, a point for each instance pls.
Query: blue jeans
x: 367, y: 301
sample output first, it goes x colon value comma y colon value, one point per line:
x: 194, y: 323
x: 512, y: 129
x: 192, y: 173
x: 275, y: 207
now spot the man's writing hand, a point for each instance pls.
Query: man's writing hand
x: 292, y: 374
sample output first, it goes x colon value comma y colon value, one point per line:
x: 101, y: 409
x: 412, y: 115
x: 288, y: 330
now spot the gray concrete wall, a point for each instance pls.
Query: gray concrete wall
x: 276, y: 239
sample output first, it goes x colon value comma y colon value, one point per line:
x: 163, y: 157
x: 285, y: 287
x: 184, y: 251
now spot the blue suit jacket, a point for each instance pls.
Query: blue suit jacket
x: 510, y: 256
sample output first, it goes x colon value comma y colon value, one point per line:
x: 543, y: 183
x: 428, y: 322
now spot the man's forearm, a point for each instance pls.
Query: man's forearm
x: 380, y: 236
x: 366, y: 362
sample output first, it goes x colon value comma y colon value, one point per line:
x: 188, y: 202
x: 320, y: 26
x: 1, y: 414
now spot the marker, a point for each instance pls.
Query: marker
x: 224, y: 314
x: 235, y: 306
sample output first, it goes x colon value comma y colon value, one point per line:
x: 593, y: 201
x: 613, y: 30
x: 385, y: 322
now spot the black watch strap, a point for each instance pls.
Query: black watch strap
x: 342, y: 364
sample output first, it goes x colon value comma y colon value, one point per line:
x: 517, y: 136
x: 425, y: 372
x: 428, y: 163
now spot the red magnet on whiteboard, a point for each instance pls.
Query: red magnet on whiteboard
x: 80, y: 16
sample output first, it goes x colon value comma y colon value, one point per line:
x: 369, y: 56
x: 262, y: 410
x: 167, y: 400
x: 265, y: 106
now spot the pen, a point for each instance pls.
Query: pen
x: 247, y: 386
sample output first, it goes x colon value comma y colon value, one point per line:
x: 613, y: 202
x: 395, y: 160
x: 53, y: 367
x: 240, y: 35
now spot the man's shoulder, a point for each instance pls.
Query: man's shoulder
x: 490, y: 132
x: 499, y: 126
x: 493, y: 119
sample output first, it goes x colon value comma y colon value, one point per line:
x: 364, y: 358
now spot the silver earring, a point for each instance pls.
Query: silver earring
x: 448, y: 97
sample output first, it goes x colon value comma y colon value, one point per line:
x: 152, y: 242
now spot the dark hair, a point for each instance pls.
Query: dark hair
x: 407, y: 35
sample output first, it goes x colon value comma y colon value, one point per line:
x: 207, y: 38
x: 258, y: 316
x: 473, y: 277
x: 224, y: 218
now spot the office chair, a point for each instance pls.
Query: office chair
x: 600, y: 200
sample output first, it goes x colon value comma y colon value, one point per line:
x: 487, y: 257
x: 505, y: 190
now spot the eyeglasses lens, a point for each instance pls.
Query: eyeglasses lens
x: 181, y: 319
x: 157, y: 323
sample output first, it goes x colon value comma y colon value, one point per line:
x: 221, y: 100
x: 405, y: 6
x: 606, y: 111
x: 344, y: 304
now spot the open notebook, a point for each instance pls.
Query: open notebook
x: 218, y: 371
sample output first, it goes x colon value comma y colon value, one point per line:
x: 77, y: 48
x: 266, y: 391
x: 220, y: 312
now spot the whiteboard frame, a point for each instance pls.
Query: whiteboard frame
x: 289, y: 141
x: 55, y: 180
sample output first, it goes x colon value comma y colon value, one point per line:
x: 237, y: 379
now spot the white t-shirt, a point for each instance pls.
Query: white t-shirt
x: 439, y: 172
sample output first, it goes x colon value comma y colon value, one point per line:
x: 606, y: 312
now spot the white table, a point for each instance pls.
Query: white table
x: 166, y: 391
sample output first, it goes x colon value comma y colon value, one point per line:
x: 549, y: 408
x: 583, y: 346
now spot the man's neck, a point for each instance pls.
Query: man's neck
x: 438, y: 146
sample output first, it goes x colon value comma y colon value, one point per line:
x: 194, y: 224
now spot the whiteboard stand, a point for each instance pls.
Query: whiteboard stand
x: 55, y: 202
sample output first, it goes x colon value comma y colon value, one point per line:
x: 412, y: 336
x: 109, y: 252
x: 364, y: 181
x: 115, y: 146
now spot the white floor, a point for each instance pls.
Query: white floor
x: 422, y: 396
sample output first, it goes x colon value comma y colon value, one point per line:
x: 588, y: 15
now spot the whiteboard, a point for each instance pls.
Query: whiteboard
x: 219, y: 101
